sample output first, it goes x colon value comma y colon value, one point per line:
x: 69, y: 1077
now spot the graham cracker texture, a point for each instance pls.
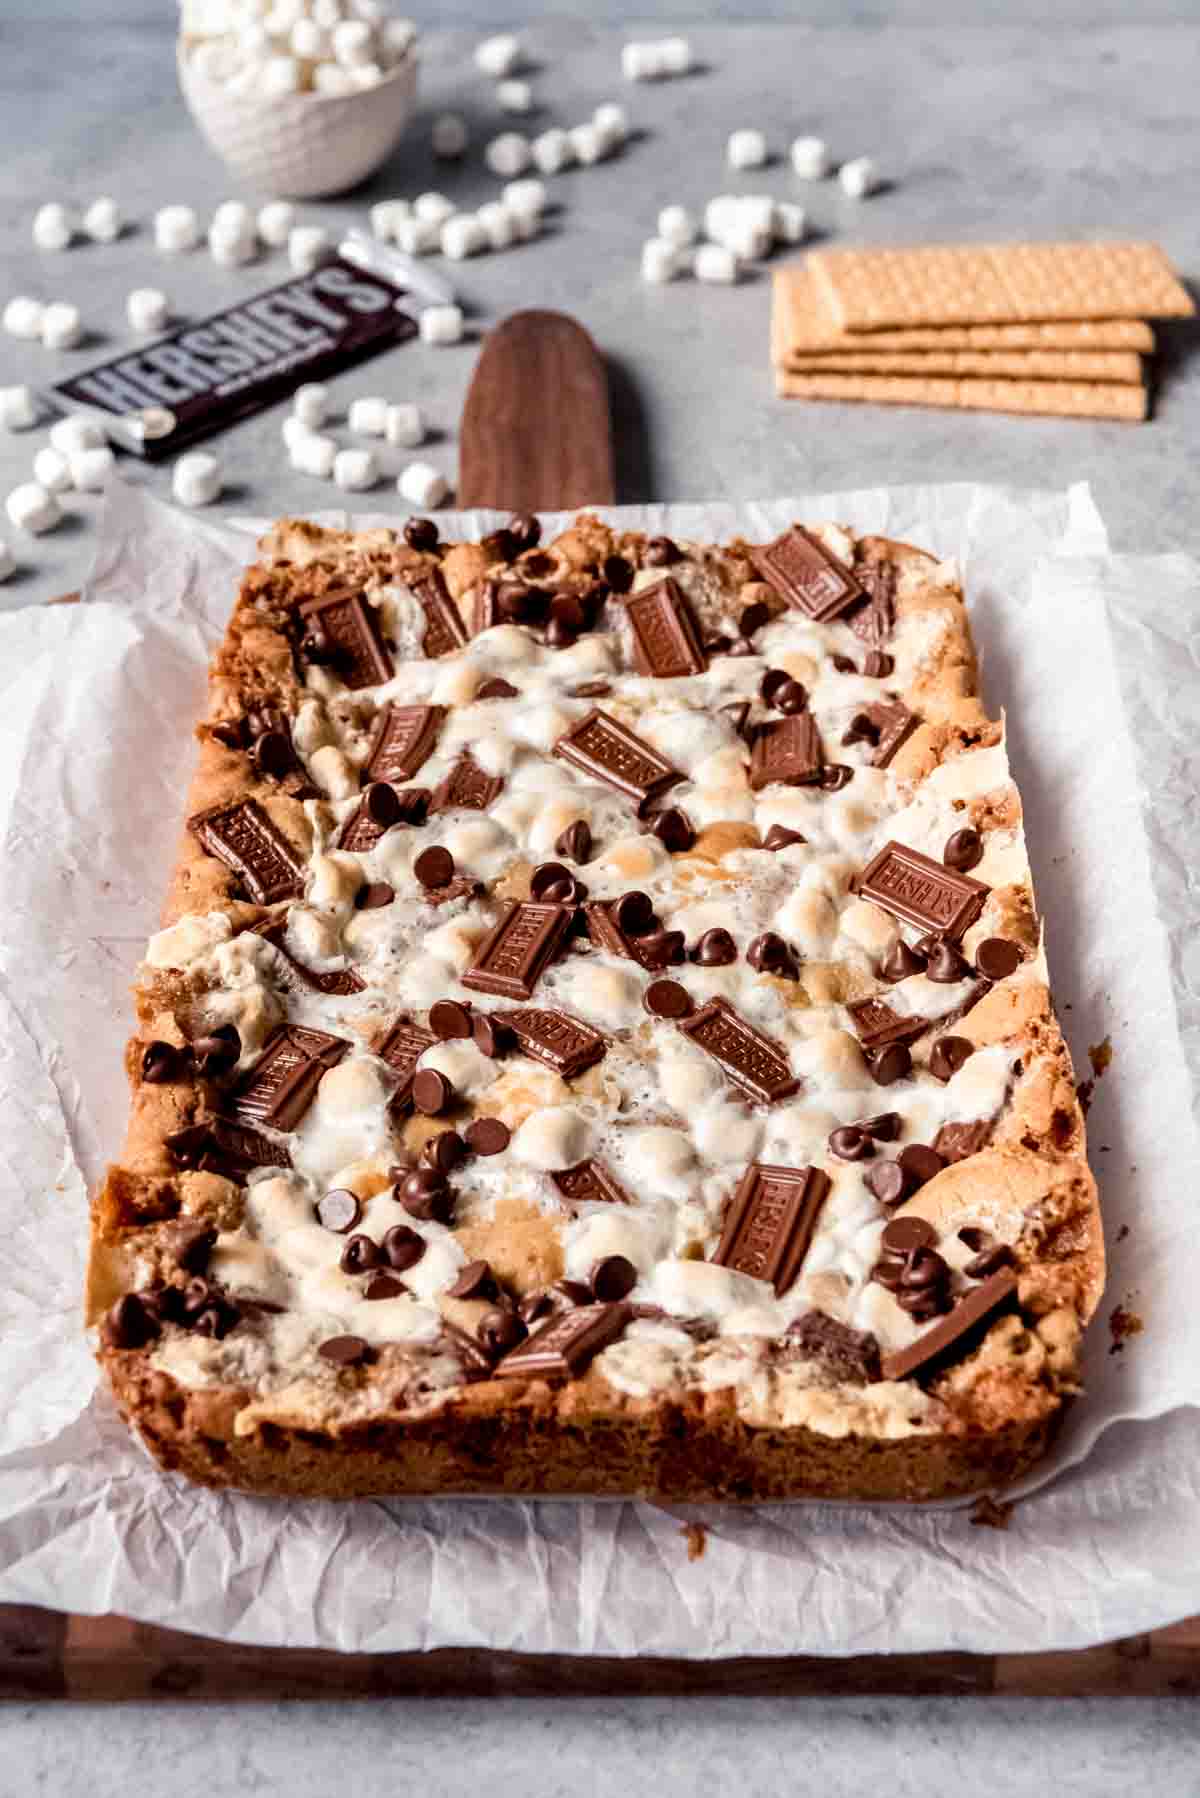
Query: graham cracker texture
x: 1051, y: 399
x: 1123, y: 366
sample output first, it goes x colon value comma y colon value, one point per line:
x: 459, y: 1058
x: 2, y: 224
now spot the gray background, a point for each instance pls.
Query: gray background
x: 1022, y: 118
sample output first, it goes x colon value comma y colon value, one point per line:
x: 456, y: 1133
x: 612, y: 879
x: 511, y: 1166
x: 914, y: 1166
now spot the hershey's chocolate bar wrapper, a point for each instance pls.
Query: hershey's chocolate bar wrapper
x: 206, y: 375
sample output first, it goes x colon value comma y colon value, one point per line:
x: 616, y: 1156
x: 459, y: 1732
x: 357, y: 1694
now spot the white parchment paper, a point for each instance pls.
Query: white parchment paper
x: 1095, y: 658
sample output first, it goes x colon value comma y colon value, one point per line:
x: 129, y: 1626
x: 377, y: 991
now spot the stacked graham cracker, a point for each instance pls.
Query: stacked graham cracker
x: 1057, y: 329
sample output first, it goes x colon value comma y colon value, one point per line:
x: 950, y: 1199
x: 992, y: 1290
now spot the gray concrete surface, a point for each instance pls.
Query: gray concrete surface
x: 987, y: 130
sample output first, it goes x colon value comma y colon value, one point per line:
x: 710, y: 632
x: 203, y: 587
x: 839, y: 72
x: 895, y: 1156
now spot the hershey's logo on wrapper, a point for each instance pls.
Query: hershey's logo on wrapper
x: 207, y: 375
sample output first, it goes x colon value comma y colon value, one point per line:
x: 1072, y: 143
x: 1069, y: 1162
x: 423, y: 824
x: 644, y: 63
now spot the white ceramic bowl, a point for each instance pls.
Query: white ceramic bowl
x: 300, y: 146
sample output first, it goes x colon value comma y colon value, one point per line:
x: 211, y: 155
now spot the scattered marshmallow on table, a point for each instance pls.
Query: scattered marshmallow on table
x: 176, y: 228
x: 275, y: 221
x: 788, y: 222
x: 18, y: 409
x: 417, y: 236
x: 433, y: 208
x: 53, y: 226
x: 676, y: 55
x: 196, y: 479
x: 91, y: 469
x: 32, y: 509
x: 75, y: 433
x: 612, y: 122
x: 384, y: 217
x: 441, y: 325
x: 102, y: 221
x: 811, y: 159
x: 230, y: 243
x: 514, y: 96
x: 499, y: 55
x: 310, y: 404
x: 404, y: 426
x: 508, y: 155
x: 528, y: 196
x: 677, y: 226
x: 311, y: 453
x: 859, y: 178
x: 643, y: 62
x: 422, y: 485
x: 746, y: 150
x: 292, y: 429
x: 23, y: 317
x: 462, y: 235
x: 233, y: 218
x: 551, y: 151
x: 498, y: 225
x: 308, y: 247
x: 147, y: 309
x: 8, y: 562
x: 715, y: 262
x: 660, y: 260
x: 62, y: 326
x: 52, y: 471
x: 355, y: 469
x: 588, y: 143
x: 368, y: 417
x: 449, y: 137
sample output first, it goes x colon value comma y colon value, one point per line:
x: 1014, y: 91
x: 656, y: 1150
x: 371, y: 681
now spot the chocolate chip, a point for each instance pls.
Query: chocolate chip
x: 887, y: 1182
x: 792, y: 697
x: 661, y: 552
x: 187, y: 1146
x: 434, y: 867
x: 422, y: 534
x: 359, y: 1256
x: 402, y: 1247
x: 525, y: 531
x: 130, y: 1324
x: 633, y: 914
x: 946, y: 966
x: 924, y: 1267
x: 476, y: 1281
x: 496, y: 689
x: 316, y: 645
x: 667, y: 999
x: 851, y: 1143
x: 548, y: 875
x: 770, y: 684
x: 444, y: 1151
x: 948, y: 1055
x: 500, y: 1331
x: 618, y: 573
x: 901, y: 962
x: 571, y: 1292
x: 229, y: 732
x: 425, y: 1194
x: 499, y: 546
x: 722, y: 645
x: 431, y: 1092
x: 490, y: 1036
x: 738, y: 714
x: 974, y: 1238
x: 716, y: 949
x: 996, y: 958
x: 884, y: 1128
x: 190, y: 1242
x: 844, y: 664
x: 963, y: 851
x: 381, y: 803
x: 161, y: 1063
x: 383, y: 1286
x: 534, y: 1306
x: 920, y: 1162
x: 590, y: 689
x: 674, y: 830
x: 862, y: 729
x: 662, y: 948
x: 374, y: 895
x: 449, y: 1019
x: 215, y: 1320
x: 904, y: 1234
x: 878, y: 665
x: 780, y: 837
x: 753, y: 617
x: 346, y: 1351
x: 835, y: 776
x: 769, y: 954
x: 338, y: 1210
x: 560, y: 634
x: 414, y: 804
x: 989, y: 1262
x: 613, y: 1278
x: 890, y: 1064
x: 488, y: 1136
x: 575, y: 841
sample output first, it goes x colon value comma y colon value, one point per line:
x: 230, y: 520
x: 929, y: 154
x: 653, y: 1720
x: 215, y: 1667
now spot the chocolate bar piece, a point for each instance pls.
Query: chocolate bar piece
x: 921, y: 891
x: 466, y: 785
x: 770, y: 1222
x: 877, y: 1024
x: 402, y: 742
x: 895, y: 725
x: 787, y: 750
x: 954, y: 1142
x: 803, y: 572
x: 243, y: 837
x: 611, y: 753
x: 444, y: 628
x: 282, y: 1084
x: 590, y: 1180
x: 562, y: 1348
x: 666, y: 642
x: 402, y: 1048
x: 875, y: 620
x: 851, y: 1354
x: 512, y: 957
x: 351, y: 628
x: 954, y: 1335
x: 340, y: 984
x: 236, y: 1148
x: 563, y: 1043
x: 751, y: 1060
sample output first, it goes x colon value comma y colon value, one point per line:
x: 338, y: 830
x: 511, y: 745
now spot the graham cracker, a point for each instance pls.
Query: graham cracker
x: 1061, y: 399
x: 870, y: 290
x: 1038, y: 365
x: 801, y: 324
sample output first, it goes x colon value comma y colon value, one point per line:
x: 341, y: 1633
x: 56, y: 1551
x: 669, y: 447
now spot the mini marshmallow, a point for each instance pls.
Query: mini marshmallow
x: 233, y: 218
x: 368, y: 417
x: 355, y: 469
x: 274, y: 222
x: 715, y: 262
x: 18, y: 410
x: 859, y: 178
x: 385, y: 215
x: 722, y: 216
x: 497, y: 224
x: 310, y: 404
x: 398, y: 37
x: 789, y: 222
x: 366, y: 74
x: 331, y: 78
x: 588, y: 144
x: 102, y: 221
x: 552, y: 151
x: 746, y: 150
x: 526, y: 225
x: 441, y: 325
x: 404, y: 426
x: 423, y: 486
x: 53, y: 227
x: 612, y: 122
x: 228, y: 249
x: 677, y: 226
x: 526, y: 196
x: 498, y: 56
x: 308, y: 246
x: 353, y: 42
x: 463, y: 236
x: 62, y: 326
x: 309, y: 41
x: 312, y: 454
x: 643, y: 62
x: 417, y: 237
x: 758, y: 212
x: 433, y: 208
x: 196, y: 479
x: 32, y: 509
x: 92, y: 468
x: 508, y: 155
x: 660, y: 260
x: 514, y: 96
x: 747, y: 241
x: 292, y: 430
x: 176, y: 228
x: 810, y: 158
x: 675, y: 54
x: 52, y: 471
x: 147, y: 309
x: 75, y: 433
x: 8, y: 562
x: 449, y: 137
x: 23, y: 317
x: 277, y: 76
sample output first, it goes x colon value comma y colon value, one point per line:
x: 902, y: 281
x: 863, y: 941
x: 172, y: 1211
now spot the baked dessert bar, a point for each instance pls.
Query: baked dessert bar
x: 599, y: 1039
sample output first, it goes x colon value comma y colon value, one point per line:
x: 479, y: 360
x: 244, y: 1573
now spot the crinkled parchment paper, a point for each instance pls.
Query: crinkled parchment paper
x: 1095, y: 659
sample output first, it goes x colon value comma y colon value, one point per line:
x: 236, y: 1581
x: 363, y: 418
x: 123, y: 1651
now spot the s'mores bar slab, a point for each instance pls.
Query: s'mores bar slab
x: 599, y: 1038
